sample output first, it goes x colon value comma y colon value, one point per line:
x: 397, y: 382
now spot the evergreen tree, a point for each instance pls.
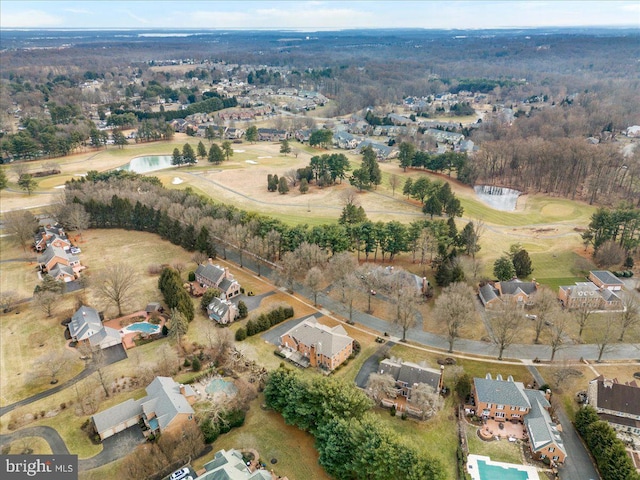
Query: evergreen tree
x: 227, y: 149
x: 216, y: 155
x: 285, y: 148
x: 176, y: 157
x: 503, y: 269
x: 202, y: 150
x: 251, y: 134
x: 522, y: 264
x: 283, y: 186
x: 188, y: 155
x: 408, y: 187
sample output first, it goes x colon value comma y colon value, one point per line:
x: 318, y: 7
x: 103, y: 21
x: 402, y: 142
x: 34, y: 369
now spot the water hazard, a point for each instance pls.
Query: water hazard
x: 500, y: 198
x: 148, y: 163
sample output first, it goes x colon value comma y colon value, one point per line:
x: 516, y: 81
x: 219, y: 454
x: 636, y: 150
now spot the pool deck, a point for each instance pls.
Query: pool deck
x: 474, y: 471
x: 127, y: 338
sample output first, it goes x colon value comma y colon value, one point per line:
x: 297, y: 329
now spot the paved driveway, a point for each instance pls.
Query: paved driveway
x: 370, y: 365
x: 578, y: 464
x: 114, y: 447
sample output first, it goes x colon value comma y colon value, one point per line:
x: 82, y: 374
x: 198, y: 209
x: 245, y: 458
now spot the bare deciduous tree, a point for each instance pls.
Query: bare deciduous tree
x: 340, y: 266
x: 8, y: 300
x: 119, y: 284
x: 546, y: 303
x: 394, y: 182
x: 505, y: 327
x: 582, y: 315
x: 455, y: 307
x: 630, y: 315
x: 425, y: 397
x: 313, y: 281
x: 21, y: 225
x: 557, y: 332
x: 46, y: 301
x: 404, y: 296
x: 52, y: 363
x: 178, y: 326
x: 381, y: 386
x: 604, y: 337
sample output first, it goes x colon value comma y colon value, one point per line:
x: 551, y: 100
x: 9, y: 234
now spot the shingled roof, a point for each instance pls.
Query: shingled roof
x: 513, y: 287
x: 541, y: 429
x: 328, y: 341
x: 212, y: 273
x: 165, y: 401
x: 501, y: 392
x: 618, y: 397
x: 411, y: 373
x: 85, y: 323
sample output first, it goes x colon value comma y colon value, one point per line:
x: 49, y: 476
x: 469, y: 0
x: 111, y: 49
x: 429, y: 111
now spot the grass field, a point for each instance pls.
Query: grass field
x: 499, y: 451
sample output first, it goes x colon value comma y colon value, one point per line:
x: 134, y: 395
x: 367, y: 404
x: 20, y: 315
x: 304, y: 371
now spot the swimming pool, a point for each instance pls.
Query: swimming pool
x: 483, y: 468
x: 219, y: 385
x: 490, y: 472
x: 143, y: 327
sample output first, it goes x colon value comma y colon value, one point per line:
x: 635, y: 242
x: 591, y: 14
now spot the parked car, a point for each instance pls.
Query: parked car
x: 75, y: 250
x: 180, y: 474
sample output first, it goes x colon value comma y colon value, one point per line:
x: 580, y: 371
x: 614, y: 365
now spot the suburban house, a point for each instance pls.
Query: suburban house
x: 86, y: 327
x: 51, y: 235
x: 62, y: 273
x: 502, y: 401
x: 606, y: 279
x: 408, y: 375
x: 515, y: 291
x: 311, y: 343
x: 345, y: 140
x: 214, y: 276
x: 383, y: 152
x: 167, y: 407
x: 229, y: 465
x: 56, y: 255
x: 222, y: 311
x: 616, y: 403
x: 588, y: 295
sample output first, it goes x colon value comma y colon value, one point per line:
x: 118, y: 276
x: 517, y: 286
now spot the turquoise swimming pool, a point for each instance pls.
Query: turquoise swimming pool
x: 496, y: 472
x: 143, y: 327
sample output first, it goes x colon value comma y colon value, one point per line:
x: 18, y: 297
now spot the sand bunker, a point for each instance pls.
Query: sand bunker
x: 60, y: 186
x: 252, y: 162
x: 176, y: 181
x: 238, y: 151
x: 268, y: 156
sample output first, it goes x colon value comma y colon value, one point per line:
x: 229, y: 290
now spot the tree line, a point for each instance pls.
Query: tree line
x: 352, y: 442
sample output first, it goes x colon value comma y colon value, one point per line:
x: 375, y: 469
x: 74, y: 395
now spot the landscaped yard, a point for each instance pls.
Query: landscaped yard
x: 265, y: 431
x: 497, y: 450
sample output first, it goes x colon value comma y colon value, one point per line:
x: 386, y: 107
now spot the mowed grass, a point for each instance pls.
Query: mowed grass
x: 498, y: 451
x: 37, y: 445
x: 436, y: 437
x: 266, y: 431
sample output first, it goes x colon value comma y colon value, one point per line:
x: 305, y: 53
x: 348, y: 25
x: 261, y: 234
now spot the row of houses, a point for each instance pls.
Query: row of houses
x: 601, y: 292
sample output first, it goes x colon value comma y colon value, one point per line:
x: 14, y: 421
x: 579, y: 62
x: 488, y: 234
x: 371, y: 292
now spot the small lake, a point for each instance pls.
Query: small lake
x: 148, y: 163
x: 500, y: 198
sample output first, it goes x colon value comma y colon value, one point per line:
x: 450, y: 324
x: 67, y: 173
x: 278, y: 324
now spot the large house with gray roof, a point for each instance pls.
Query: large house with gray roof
x: 86, y: 327
x: 606, y: 279
x: 311, y: 343
x: 166, y: 407
x: 222, y: 311
x: 588, y: 295
x: 214, y: 276
x: 493, y: 295
x: 229, y: 465
x: 408, y: 375
x: 507, y: 400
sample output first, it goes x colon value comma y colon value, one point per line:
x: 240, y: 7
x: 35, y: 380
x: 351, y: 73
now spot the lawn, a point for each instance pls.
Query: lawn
x: 37, y: 445
x: 437, y: 436
x: 498, y: 450
x: 265, y: 431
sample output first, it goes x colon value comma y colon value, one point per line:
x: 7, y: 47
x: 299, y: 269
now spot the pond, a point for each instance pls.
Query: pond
x: 499, y: 198
x: 148, y: 163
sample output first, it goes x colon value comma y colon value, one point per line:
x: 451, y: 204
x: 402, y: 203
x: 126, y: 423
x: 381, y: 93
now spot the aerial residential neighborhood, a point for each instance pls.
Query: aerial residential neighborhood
x: 318, y: 241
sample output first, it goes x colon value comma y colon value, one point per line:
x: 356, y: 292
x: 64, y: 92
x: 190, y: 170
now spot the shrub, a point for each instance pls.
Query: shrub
x: 241, y: 334
x: 192, y: 276
x: 187, y: 363
x: 243, y: 311
x: 196, y: 366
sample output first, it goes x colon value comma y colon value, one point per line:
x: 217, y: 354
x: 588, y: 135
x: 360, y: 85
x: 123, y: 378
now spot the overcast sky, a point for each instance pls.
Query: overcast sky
x: 316, y: 15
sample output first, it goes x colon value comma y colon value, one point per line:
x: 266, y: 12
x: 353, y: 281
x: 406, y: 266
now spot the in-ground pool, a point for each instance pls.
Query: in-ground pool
x: 143, y: 327
x: 219, y: 385
x: 489, y: 472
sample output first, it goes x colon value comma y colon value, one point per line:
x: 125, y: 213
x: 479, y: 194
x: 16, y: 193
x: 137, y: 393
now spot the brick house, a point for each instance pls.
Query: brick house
x: 166, y: 407
x: 589, y: 295
x: 53, y: 256
x: 221, y: 311
x: 506, y: 400
x: 317, y: 345
x: 493, y: 295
